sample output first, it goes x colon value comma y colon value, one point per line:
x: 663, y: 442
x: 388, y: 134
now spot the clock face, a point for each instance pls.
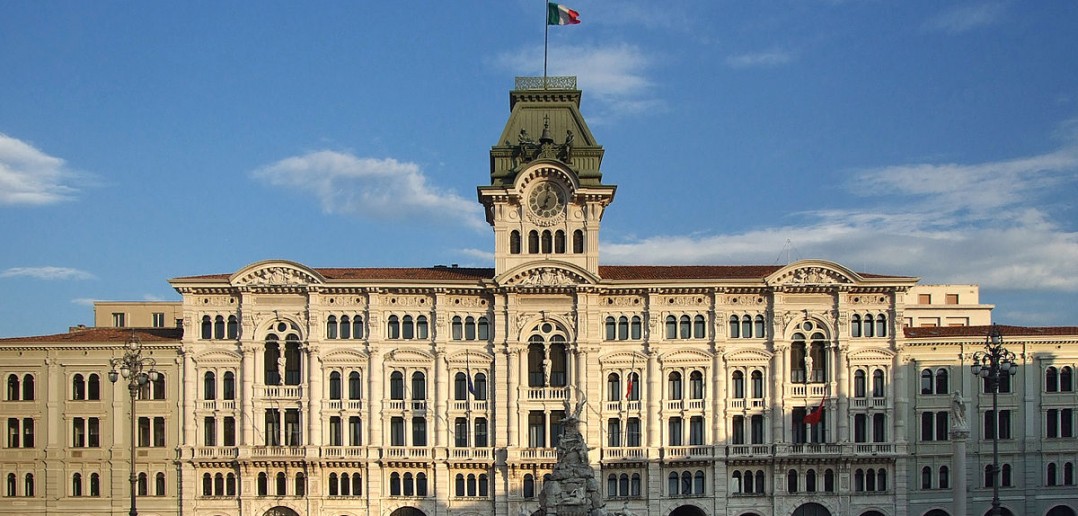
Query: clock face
x: 546, y: 200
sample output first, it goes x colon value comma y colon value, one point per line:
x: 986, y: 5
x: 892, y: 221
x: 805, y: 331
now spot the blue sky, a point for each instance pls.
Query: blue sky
x: 143, y: 141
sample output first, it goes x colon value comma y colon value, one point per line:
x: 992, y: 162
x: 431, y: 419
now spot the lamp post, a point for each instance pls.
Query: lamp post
x: 137, y: 370
x: 994, y: 364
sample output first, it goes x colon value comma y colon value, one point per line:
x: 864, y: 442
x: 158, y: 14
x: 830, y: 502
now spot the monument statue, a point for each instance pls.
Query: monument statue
x: 572, y: 489
x: 958, y: 412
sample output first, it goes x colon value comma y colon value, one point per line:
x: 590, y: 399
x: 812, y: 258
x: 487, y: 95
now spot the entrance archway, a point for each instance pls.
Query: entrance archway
x: 1061, y: 510
x: 937, y: 512
x: 1003, y: 511
x: 872, y: 513
x: 688, y: 510
x: 280, y: 510
x: 812, y: 509
x: 408, y: 511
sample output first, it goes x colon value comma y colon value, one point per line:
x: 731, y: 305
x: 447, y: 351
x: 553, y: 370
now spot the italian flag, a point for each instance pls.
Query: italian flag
x: 561, y: 15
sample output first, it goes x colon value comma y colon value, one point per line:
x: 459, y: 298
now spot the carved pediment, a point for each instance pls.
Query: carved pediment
x: 275, y: 274
x: 546, y: 277
x: 813, y: 273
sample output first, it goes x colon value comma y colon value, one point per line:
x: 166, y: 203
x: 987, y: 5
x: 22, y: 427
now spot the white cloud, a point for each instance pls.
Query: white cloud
x: 369, y: 187
x: 615, y: 75
x: 46, y: 273
x: 962, y: 18
x: 31, y: 177
x: 953, y: 223
x: 759, y: 59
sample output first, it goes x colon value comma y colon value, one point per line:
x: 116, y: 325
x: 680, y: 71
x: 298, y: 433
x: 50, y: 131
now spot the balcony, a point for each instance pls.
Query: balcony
x: 621, y: 405
x: 810, y: 390
x: 217, y: 452
x: 870, y: 402
x: 477, y: 454
x: 809, y: 450
x: 669, y: 453
x: 548, y: 393
x: 544, y: 454
x: 406, y: 452
x: 742, y: 404
x: 344, y: 452
x: 469, y: 406
x: 874, y: 448
x: 354, y: 405
x: 400, y: 405
x: 748, y: 450
x: 279, y: 392
x: 278, y: 451
x: 214, y: 405
x: 624, y: 454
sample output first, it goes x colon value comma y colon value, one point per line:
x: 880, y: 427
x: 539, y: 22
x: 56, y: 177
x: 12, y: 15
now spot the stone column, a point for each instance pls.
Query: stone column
x: 190, y: 393
x: 654, y: 394
x: 842, y: 391
x: 778, y: 388
x: 246, y: 404
x: 440, y: 394
x: 513, y: 386
x: 958, y: 466
x: 314, y: 395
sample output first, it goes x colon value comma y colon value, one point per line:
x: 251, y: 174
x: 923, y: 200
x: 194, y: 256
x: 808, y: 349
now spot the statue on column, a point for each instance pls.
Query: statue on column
x: 280, y: 369
x: 958, y: 412
x: 808, y: 368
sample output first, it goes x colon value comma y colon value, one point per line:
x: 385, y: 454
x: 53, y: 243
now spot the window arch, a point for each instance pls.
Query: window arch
x: 696, y: 385
x: 528, y: 486
x: 76, y: 484
x: 78, y: 387
x: 335, y: 385
x: 14, y: 391
x: 738, y: 379
x: 757, y: 385
x: 514, y: 242
x: 207, y: 328
x: 941, y: 381
x: 209, y: 386
x: 578, y: 241
x: 229, y: 391
x: 855, y: 325
x: 613, y: 387
x: 419, y: 386
x: 533, y: 242
x: 877, y: 383
x: 735, y: 327
x: 396, y: 385
x: 674, y: 385
x: 859, y: 384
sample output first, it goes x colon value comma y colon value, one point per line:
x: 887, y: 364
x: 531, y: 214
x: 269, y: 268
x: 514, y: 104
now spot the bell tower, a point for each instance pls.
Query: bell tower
x: 546, y: 197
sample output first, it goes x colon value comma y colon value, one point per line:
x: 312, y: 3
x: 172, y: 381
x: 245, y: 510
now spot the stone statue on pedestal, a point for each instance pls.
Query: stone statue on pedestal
x: 958, y: 412
x: 572, y: 489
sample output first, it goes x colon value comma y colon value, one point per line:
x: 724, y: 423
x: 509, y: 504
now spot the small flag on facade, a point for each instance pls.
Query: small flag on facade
x: 561, y: 15
x: 814, y: 417
x: 629, y: 389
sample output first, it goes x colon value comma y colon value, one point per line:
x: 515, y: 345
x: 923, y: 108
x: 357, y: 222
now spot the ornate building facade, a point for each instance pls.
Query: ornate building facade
x: 806, y: 388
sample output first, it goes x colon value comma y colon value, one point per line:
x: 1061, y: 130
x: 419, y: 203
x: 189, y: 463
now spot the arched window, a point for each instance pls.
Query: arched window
x: 759, y: 330
x: 698, y: 482
x: 533, y: 242
x: 867, y: 327
x: 546, y: 243
x: 484, y: 482
x: 300, y: 484
x: 1051, y: 380
x: 480, y: 386
x: 633, y: 389
x: 613, y: 387
x: 13, y: 388
x: 282, y: 483
x: 1066, y: 380
x: 357, y: 485
x: 78, y: 387
x: 623, y: 485
x: 333, y: 486
x: 421, y: 327
x: 674, y: 385
x: 10, y: 488
x: 559, y: 242
x: 739, y: 384
x: 818, y: 353
x: 207, y: 328
x: 757, y: 385
x: 671, y: 327
x: 209, y: 386
x: 456, y: 328
x: 759, y: 482
x: 611, y: 485
x: 685, y: 328
x: 941, y: 381
x: 407, y: 327
x: 420, y: 484
x: 797, y: 359
x: 635, y: 328
x: 484, y: 328
x: 855, y: 325
x: 233, y: 327
x: 28, y: 485
x: 393, y: 328
x: 346, y: 327
x: 335, y: 385
x: 735, y: 327
x: 409, y: 485
x: 460, y: 386
x: 396, y: 385
x: 28, y: 387
x: 528, y: 487
x: 1050, y: 479
x: 458, y: 485
x: 230, y: 484
x: 1005, y: 475
x: 218, y: 484
x: 623, y: 328
x: 698, y: 327
x: 229, y: 391
x: 859, y: 383
x: 746, y: 327
x: 870, y: 480
x: 611, y: 328
x: 262, y: 484
x: 219, y: 327
x: 76, y: 484
x: 926, y: 381
x: 578, y: 241
x: 736, y: 485
x: 877, y: 383
x: 357, y: 327
x: 945, y: 478
x: 791, y: 481
x: 829, y: 481
x: 395, y: 484
x: 686, y: 482
x: 143, y: 487
x: 207, y: 484
x: 673, y: 482
x: 419, y: 386
x: 514, y: 242
x: 859, y: 481
x: 1068, y: 474
x: 810, y: 481
x: 696, y: 385
x: 881, y: 327
x: 95, y: 484
x: 469, y: 328
x: 93, y: 386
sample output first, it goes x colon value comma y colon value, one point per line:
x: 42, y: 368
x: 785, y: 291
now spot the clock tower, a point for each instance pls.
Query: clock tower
x: 546, y: 197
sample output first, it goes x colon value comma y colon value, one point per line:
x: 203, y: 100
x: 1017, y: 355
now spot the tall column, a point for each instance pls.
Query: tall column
x: 247, y: 406
x: 958, y: 465
x: 190, y: 392
x: 842, y: 389
x: 513, y: 376
x: 654, y: 395
x: 376, y: 377
x: 441, y: 393
x: 778, y: 388
x: 314, y: 395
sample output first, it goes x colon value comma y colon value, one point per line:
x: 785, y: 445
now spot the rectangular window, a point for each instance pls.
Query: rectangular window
x: 230, y: 431
x: 696, y: 431
x: 78, y: 432
x: 292, y: 432
x: 555, y: 426
x: 396, y: 431
x: 355, y: 431
x: 737, y: 430
x: 1051, y: 426
x: 12, y: 432
x: 419, y: 431
x: 119, y: 320
x: 952, y: 299
x: 209, y: 427
x: 536, y: 429
x: 159, y: 432
x: 273, y: 427
x: 757, y: 423
x: 335, y: 431
x: 613, y: 432
x: 93, y: 432
x: 144, y: 432
x: 632, y: 432
x: 924, y: 299
x: 674, y: 431
x: 1066, y: 423
x: 158, y: 320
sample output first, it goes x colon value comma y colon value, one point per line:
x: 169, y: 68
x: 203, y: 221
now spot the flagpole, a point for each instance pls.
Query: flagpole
x: 546, y: 37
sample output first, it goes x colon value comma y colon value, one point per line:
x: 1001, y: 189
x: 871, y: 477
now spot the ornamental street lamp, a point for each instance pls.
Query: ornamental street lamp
x: 994, y: 364
x: 137, y: 370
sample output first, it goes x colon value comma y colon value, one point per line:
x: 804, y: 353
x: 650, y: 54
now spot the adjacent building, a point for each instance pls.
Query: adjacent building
x: 806, y: 388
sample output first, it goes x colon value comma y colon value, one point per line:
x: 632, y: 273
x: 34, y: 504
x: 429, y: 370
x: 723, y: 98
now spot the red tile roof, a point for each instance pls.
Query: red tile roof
x: 104, y: 335
x: 982, y: 331
x: 610, y: 272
